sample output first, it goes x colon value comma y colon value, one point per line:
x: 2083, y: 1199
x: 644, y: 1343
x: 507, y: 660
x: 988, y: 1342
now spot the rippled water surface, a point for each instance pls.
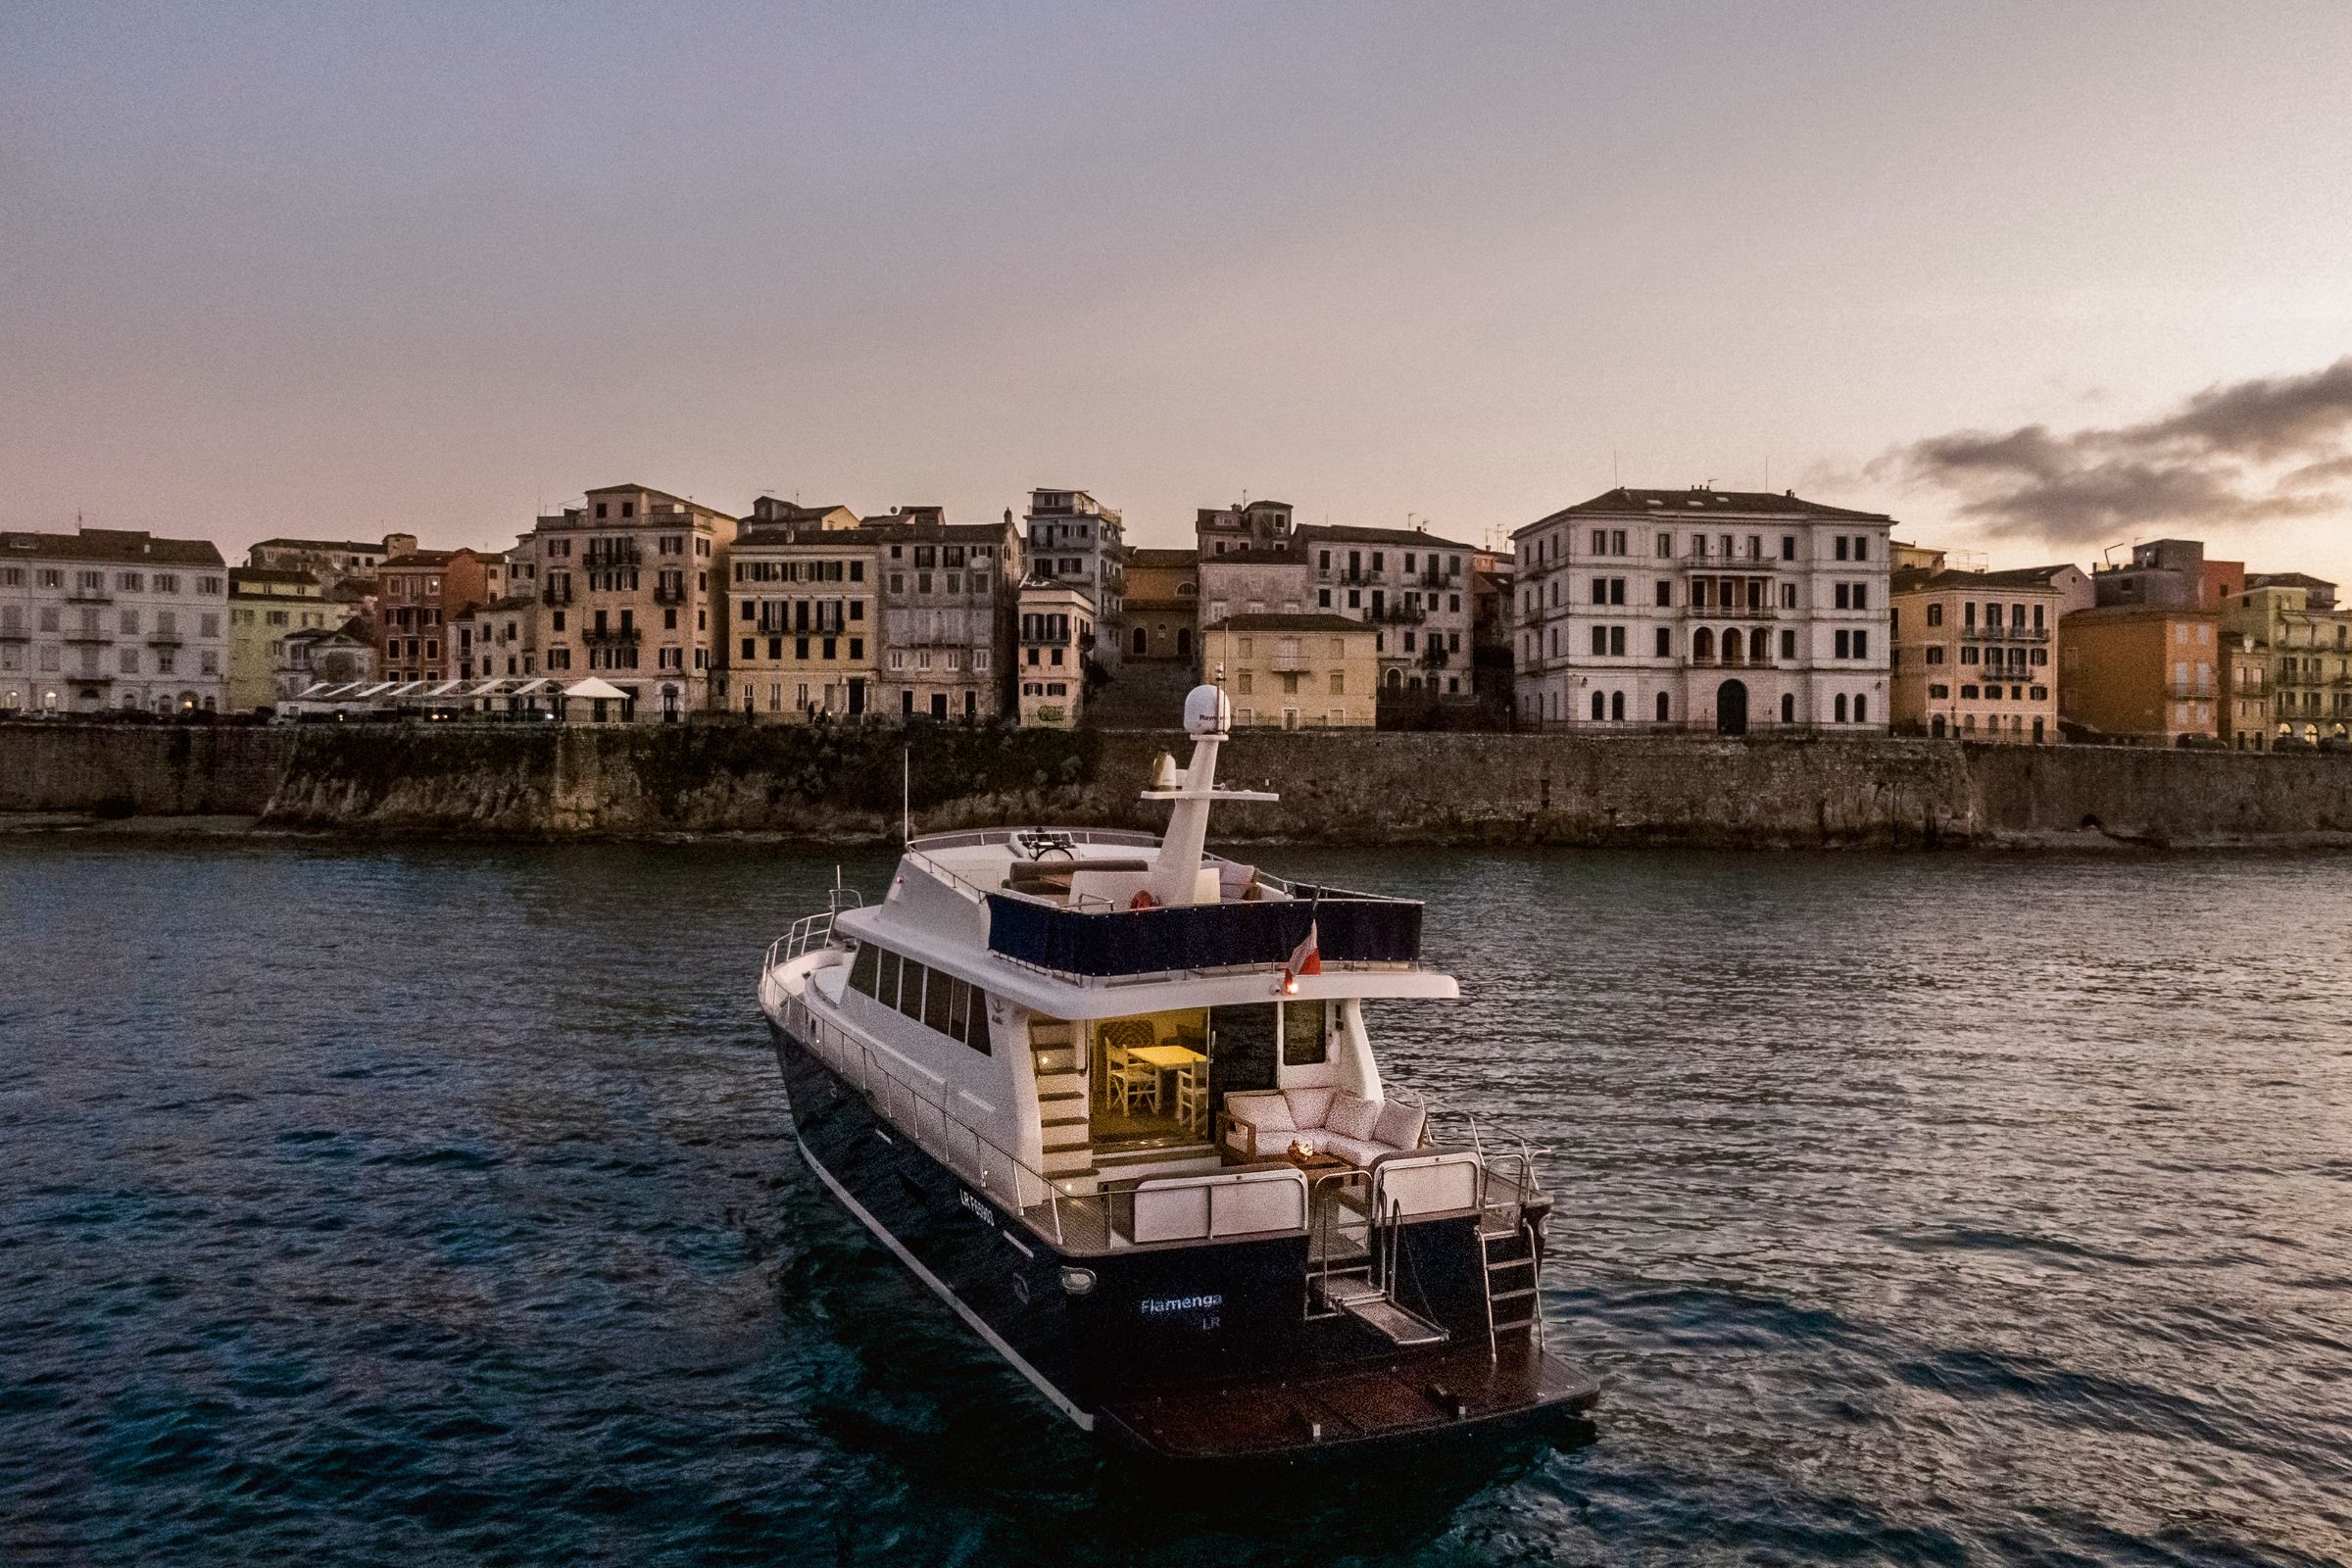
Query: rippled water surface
x: 439, y: 1206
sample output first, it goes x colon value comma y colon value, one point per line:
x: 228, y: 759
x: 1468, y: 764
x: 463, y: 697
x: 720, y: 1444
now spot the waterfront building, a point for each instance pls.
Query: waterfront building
x: 1163, y: 606
x: 802, y: 629
x: 633, y: 583
x: 1413, y: 588
x: 1703, y: 609
x: 1073, y: 538
x: 112, y: 618
x: 1054, y: 630
x: 2171, y: 574
x: 499, y: 640
x: 949, y: 594
x: 2288, y: 625
x: 2142, y: 673
x: 331, y: 562
x: 1976, y: 653
x: 417, y: 595
x: 1312, y: 670
x: 2244, y: 712
x: 266, y: 606
x: 340, y: 654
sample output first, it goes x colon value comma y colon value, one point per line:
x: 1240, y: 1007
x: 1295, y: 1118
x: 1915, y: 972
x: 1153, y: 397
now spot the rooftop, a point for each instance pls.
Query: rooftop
x: 1916, y: 579
x: 130, y: 546
x: 1626, y: 502
x: 354, y: 546
x: 1349, y: 534
x: 262, y: 575
x: 1162, y: 560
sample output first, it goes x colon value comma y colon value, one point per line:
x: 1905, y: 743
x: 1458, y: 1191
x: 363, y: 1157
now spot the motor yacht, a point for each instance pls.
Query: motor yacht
x: 1114, y: 1099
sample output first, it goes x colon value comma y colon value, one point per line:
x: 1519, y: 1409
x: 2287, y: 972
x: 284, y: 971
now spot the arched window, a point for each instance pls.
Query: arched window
x: 1617, y: 706
x: 1840, y: 710
x: 1862, y: 712
x: 1730, y: 647
x: 1702, y: 646
x: 1139, y: 642
x: 1759, y: 646
x: 1597, y: 708
x: 1788, y: 708
x: 1665, y: 708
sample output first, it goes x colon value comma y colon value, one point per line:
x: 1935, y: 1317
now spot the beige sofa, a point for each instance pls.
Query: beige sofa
x: 1261, y: 1124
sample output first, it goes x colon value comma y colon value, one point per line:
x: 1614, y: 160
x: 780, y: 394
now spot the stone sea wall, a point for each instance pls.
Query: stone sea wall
x: 1337, y: 787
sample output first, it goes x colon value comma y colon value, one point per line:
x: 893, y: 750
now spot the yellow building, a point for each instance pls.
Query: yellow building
x: 1976, y: 653
x: 1163, y: 606
x: 265, y: 605
x: 2304, y: 646
x: 804, y: 634
x: 1303, y: 671
x: 2142, y: 674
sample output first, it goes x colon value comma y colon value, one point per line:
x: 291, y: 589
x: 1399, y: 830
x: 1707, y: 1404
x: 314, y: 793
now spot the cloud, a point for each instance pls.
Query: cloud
x: 2212, y: 463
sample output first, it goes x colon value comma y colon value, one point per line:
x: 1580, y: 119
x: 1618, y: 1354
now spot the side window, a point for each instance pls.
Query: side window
x: 865, y: 968
x: 939, y: 1007
x: 886, y: 990
x: 910, y: 991
x: 1305, y: 1034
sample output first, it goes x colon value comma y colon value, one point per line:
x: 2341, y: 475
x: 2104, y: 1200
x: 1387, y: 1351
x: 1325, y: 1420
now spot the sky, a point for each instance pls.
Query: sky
x: 2038, y: 280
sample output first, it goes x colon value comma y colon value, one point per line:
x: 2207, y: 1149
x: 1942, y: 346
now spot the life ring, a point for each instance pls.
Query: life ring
x: 1143, y: 900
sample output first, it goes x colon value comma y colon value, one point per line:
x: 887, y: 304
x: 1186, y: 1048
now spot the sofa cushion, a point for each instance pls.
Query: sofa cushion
x: 1264, y: 1109
x: 1309, y: 1107
x: 1399, y: 1124
x: 1352, y: 1115
x: 1354, y: 1151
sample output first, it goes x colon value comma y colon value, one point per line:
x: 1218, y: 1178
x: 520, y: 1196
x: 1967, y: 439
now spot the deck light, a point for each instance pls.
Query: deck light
x: 1077, y: 1281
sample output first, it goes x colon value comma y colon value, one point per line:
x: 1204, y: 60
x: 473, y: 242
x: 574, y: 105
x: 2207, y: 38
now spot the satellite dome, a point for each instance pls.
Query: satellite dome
x: 1206, y: 713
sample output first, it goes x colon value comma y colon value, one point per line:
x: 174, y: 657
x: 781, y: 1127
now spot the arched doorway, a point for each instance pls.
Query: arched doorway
x: 1731, y: 707
x: 1184, y: 642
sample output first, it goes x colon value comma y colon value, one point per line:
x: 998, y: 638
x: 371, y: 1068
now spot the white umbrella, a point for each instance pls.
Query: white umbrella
x: 592, y: 687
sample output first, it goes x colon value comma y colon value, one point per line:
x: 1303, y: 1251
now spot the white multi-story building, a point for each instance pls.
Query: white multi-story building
x: 1054, y: 630
x: 1703, y: 609
x: 1413, y: 588
x: 1071, y: 538
x: 112, y: 618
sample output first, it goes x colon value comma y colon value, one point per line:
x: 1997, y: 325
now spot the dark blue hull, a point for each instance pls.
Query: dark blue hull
x: 1174, y: 1348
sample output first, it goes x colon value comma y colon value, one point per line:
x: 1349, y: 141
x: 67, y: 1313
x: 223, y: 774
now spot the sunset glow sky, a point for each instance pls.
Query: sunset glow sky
x: 334, y: 269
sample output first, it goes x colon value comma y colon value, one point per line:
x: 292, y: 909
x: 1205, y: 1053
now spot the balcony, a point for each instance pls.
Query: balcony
x: 609, y: 634
x: 163, y: 639
x: 624, y: 553
x: 94, y: 638
x: 555, y: 594
x: 1402, y: 616
x: 89, y: 596
x: 1731, y: 612
x: 2004, y: 634
x: 2184, y: 690
x: 669, y: 593
x: 15, y: 634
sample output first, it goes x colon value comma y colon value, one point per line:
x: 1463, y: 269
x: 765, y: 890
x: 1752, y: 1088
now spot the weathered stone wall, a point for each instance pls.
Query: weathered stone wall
x: 157, y: 770
x: 1347, y: 787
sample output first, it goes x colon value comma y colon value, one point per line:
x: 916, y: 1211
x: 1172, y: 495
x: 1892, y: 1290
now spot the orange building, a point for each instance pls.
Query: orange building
x: 2141, y: 674
x: 417, y: 595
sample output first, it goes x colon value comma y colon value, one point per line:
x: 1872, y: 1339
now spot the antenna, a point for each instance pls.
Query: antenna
x: 1615, y: 483
x: 905, y: 795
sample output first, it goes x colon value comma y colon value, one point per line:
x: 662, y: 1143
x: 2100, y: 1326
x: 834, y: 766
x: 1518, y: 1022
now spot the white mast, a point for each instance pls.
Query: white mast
x: 1176, y: 873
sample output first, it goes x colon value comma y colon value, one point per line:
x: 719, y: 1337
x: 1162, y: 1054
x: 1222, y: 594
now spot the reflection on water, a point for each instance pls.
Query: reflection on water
x: 441, y: 1203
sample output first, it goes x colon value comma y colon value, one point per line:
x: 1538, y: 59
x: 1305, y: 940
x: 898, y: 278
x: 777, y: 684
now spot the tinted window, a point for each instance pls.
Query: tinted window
x: 865, y: 968
x: 1241, y: 1048
x: 911, y: 990
x: 886, y: 984
x: 1305, y: 1034
x: 939, y: 1008
x: 975, y: 1033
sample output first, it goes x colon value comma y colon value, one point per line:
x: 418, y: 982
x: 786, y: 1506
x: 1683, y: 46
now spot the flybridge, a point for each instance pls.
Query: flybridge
x: 1350, y: 928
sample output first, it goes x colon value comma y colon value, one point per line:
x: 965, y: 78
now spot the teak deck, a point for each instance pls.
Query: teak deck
x: 1419, y: 1396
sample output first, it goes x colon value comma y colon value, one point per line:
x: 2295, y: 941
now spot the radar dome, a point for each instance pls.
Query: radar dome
x: 1207, y: 712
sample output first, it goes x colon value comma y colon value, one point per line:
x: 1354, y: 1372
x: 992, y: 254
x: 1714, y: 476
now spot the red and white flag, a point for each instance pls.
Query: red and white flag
x: 1304, y: 958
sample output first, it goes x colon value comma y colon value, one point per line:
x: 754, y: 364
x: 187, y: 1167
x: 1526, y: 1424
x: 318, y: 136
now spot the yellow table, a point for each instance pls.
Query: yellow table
x: 1166, y: 1060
